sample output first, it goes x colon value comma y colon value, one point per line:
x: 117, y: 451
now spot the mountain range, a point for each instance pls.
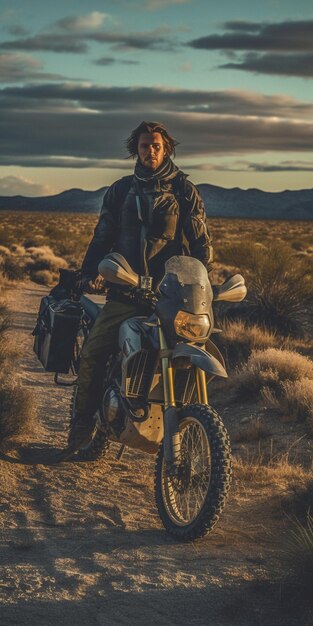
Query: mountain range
x: 218, y: 201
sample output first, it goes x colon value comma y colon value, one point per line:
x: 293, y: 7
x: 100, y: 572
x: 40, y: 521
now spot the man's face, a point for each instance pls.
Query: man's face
x: 151, y: 150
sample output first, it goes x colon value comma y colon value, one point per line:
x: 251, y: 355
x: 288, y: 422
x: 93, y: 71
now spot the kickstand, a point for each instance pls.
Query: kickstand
x: 120, y: 452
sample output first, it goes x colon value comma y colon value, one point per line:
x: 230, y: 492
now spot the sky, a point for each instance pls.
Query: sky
x: 232, y: 81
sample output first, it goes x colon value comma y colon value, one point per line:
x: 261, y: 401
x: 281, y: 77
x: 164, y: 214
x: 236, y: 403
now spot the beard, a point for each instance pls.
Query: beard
x: 152, y: 163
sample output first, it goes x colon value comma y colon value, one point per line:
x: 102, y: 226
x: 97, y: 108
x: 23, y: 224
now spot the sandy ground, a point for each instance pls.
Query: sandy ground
x: 81, y: 543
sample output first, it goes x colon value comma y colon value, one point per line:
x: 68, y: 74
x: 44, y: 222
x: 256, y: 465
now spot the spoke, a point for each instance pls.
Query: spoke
x: 185, y: 495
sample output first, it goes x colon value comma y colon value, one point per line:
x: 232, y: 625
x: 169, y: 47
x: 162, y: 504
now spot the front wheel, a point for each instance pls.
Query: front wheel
x: 190, y: 503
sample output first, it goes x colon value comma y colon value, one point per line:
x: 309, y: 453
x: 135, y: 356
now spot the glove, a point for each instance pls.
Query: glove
x: 93, y: 285
x: 144, y: 299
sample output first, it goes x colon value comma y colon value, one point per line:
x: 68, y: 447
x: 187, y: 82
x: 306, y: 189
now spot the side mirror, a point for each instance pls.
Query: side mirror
x: 233, y: 290
x: 115, y: 269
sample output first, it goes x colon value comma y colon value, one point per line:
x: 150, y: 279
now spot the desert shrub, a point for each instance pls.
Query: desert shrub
x: 238, y: 340
x: 17, y: 408
x: 264, y: 469
x: 7, y: 347
x: 299, y: 499
x: 17, y: 249
x: 295, y: 399
x: 4, y: 251
x: 297, y: 559
x: 43, y: 277
x: 283, y: 379
x: 43, y: 258
x: 279, y: 285
x: 253, y: 431
x: 19, y: 262
x: 13, y: 267
x: 5, y: 320
x: 4, y: 236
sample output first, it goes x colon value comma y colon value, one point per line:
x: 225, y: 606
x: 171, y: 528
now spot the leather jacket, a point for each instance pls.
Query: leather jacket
x: 149, y: 224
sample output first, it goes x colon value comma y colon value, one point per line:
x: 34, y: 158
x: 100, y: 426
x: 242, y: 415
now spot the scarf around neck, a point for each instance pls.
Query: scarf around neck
x: 165, y: 171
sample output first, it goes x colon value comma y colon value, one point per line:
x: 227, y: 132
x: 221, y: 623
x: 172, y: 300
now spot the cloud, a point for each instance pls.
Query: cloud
x: 185, y: 67
x: 97, y: 98
x: 284, y: 166
x: 71, y: 162
x: 249, y: 166
x: 156, y: 39
x: 287, y: 47
x: 81, y: 125
x: 242, y: 26
x: 20, y: 186
x: 18, y: 31
x: 103, y: 136
x: 48, y: 42
x: 23, y: 67
x: 280, y: 64
x: 155, y: 5
x: 111, y: 60
x: 284, y: 36
x: 78, y: 23
x: 75, y: 42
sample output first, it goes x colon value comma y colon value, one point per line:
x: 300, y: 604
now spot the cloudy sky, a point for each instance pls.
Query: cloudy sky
x: 232, y: 81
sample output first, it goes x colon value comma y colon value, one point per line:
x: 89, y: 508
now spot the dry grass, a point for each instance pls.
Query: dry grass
x: 18, y: 262
x: 8, y: 347
x: 280, y: 289
x: 239, y: 339
x: 295, y: 399
x: 264, y: 469
x: 296, y: 551
x: 299, y: 501
x: 253, y: 431
x: 280, y: 378
x: 68, y: 234
x: 43, y: 277
x: 299, y: 549
x: 17, y: 408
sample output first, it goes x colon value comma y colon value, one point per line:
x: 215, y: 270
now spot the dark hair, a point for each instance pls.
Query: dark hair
x: 150, y: 127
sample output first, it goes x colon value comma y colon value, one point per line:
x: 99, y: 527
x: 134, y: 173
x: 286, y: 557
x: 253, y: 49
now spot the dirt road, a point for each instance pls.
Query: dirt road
x: 81, y: 543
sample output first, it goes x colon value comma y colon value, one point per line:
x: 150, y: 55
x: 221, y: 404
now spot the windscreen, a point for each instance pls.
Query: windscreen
x: 186, y: 285
x: 188, y: 270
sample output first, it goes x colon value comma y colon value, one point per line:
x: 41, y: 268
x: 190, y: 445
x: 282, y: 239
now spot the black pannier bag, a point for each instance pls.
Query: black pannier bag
x: 55, y: 333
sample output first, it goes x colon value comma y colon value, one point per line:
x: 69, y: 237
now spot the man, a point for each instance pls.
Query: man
x: 145, y: 217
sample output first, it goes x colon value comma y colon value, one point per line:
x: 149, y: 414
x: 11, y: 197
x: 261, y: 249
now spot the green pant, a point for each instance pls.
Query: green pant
x: 101, y: 342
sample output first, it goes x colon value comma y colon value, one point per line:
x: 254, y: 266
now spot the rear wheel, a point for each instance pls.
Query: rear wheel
x: 191, y: 502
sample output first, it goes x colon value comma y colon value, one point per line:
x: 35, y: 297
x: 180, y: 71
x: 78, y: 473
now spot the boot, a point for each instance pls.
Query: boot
x: 81, y: 431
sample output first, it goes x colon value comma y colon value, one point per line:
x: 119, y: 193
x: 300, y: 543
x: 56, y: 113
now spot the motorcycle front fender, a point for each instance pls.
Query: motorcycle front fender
x: 200, y: 358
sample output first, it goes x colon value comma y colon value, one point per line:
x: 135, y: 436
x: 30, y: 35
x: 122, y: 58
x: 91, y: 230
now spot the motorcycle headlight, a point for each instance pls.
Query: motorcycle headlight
x: 194, y: 327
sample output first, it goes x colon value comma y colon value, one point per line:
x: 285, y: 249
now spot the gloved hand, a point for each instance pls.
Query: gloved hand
x: 144, y: 298
x: 93, y: 286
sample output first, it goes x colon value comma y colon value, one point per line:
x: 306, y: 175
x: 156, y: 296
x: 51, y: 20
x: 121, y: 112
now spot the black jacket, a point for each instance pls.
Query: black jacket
x: 147, y: 224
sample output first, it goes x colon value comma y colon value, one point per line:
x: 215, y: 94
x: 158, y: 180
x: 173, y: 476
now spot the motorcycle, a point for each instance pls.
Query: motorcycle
x: 155, y: 395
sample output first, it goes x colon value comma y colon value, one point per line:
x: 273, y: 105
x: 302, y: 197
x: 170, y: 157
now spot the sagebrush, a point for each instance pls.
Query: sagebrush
x: 281, y: 378
x: 280, y: 286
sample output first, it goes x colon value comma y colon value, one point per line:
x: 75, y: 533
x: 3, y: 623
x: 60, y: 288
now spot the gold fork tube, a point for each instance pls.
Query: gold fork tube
x: 201, y: 386
x: 167, y: 375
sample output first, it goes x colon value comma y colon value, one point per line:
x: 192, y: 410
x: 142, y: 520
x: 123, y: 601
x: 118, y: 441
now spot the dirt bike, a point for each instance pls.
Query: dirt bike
x: 155, y: 395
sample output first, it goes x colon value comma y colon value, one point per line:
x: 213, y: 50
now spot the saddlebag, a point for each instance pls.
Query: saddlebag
x: 55, y: 333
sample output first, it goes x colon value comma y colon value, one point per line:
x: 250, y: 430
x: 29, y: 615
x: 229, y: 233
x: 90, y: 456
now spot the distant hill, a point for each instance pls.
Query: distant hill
x: 76, y: 200
x: 218, y: 201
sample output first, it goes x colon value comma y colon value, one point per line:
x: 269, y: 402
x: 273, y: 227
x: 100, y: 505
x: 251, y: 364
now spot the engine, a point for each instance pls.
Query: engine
x: 112, y: 411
